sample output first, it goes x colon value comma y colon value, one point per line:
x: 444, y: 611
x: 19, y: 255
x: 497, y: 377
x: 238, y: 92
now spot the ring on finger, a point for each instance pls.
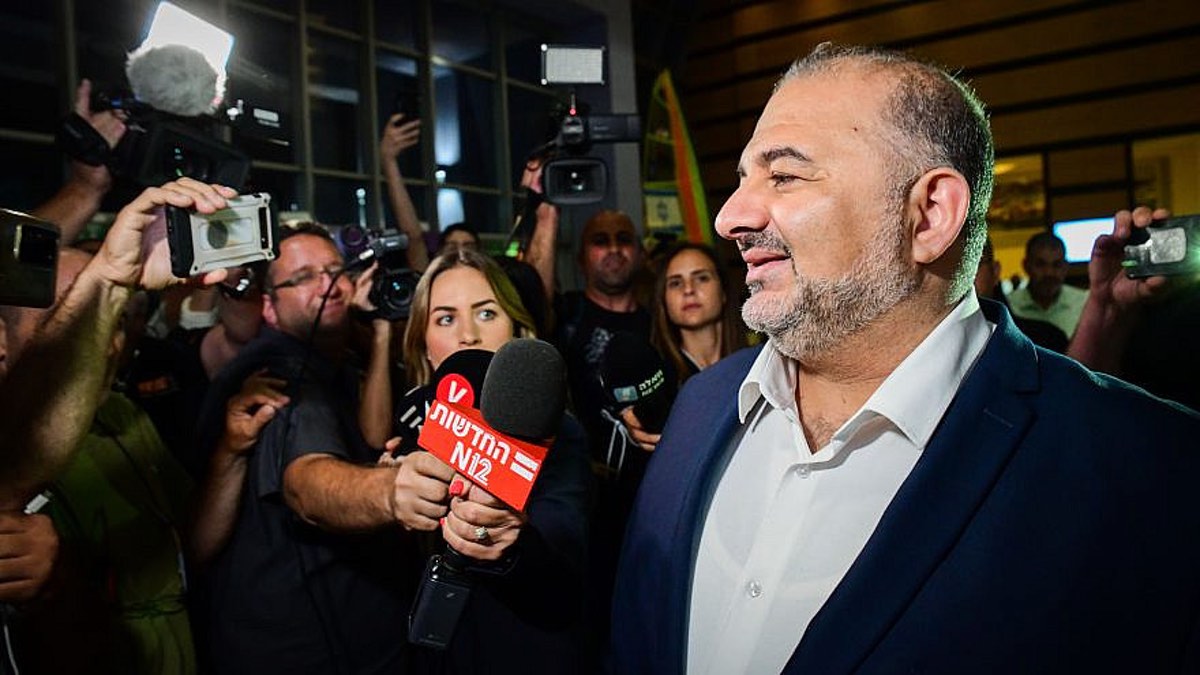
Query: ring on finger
x: 481, y: 534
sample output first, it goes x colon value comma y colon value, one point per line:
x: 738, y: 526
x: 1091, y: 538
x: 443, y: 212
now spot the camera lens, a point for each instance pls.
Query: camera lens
x: 392, y: 293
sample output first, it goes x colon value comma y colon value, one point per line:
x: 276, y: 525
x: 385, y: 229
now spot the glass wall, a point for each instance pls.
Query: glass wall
x: 329, y: 73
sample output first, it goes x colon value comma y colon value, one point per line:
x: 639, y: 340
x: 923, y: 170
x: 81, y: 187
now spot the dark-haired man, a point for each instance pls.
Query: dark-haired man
x: 900, y: 481
x: 987, y: 285
x: 1047, y: 297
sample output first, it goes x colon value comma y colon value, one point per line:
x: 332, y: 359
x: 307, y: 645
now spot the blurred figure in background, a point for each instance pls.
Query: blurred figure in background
x: 695, y: 323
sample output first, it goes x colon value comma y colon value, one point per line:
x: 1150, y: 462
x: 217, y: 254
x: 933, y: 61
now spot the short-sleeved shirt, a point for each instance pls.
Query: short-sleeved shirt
x: 287, y: 596
x: 1063, y: 313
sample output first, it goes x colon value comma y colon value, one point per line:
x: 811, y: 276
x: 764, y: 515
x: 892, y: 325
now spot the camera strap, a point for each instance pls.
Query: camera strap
x: 80, y: 141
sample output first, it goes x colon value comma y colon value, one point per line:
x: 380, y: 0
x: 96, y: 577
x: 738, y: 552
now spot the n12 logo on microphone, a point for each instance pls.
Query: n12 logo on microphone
x: 504, y: 466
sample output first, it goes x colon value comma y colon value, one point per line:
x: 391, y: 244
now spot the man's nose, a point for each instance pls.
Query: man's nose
x: 742, y: 213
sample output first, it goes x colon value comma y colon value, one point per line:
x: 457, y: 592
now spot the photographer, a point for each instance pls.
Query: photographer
x: 51, y: 394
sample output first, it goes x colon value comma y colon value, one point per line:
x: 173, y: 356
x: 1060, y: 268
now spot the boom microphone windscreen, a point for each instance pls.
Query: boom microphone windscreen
x: 525, y: 390
x: 633, y: 374
x: 175, y: 79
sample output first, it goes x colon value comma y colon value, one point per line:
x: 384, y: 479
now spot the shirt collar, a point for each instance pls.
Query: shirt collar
x: 913, y: 397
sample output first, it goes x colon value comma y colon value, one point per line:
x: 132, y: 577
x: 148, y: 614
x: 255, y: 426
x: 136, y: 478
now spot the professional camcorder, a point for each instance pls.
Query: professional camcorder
x: 571, y: 177
x: 176, y: 81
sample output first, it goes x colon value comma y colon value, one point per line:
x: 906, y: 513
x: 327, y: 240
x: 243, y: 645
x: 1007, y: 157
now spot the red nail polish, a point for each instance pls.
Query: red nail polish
x: 442, y: 522
x: 456, y: 488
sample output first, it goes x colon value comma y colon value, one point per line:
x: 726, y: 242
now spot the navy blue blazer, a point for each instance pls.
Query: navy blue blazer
x: 1052, y: 524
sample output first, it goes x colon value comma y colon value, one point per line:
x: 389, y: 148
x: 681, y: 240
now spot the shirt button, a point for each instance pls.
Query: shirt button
x: 803, y: 470
x: 753, y: 589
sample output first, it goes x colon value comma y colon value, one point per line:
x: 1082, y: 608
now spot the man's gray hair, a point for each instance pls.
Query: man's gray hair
x: 939, y: 122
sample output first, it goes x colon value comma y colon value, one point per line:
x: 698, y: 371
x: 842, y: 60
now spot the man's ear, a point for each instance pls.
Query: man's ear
x: 939, y: 200
x: 270, y: 317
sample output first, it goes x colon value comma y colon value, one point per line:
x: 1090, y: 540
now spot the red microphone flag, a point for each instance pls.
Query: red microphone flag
x: 504, y: 466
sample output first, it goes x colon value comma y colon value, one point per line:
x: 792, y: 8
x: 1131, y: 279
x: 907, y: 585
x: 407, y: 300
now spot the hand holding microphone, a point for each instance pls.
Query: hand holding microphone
x: 500, y: 447
x: 420, y: 492
x: 479, y: 525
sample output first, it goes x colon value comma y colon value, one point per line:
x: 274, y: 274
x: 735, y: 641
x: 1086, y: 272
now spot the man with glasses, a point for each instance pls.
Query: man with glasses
x: 309, y: 578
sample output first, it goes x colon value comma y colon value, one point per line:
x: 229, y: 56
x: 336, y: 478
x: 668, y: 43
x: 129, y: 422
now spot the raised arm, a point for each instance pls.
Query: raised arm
x: 1114, y: 300
x: 52, y: 391
x: 375, y: 400
x: 217, y: 504
x: 541, y: 252
x: 398, y: 136
x: 79, y: 199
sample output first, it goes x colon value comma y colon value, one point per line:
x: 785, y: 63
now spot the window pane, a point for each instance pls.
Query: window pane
x: 465, y: 129
x: 260, y: 74
x: 523, y: 54
x: 530, y: 123
x: 27, y: 50
x: 288, y: 6
x: 461, y: 34
x: 337, y: 201
x: 1166, y: 173
x: 337, y: 141
x: 105, y: 32
x: 478, y: 210
x: 397, y: 22
x: 1019, y: 197
x: 283, y: 186
x: 399, y: 91
x: 335, y: 14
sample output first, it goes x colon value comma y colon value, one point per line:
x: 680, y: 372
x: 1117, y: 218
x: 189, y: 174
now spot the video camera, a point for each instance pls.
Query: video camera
x: 157, y: 146
x: 176, y: 80
x: 570, y: 177
x: 28, y: 260
x: 395, y: 284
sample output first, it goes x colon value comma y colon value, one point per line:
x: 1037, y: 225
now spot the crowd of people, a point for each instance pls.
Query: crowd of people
x: 214, y: 476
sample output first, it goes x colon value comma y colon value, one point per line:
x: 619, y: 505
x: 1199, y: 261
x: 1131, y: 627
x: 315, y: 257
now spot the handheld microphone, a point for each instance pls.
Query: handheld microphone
x: 633, y: 374
x: 501, y: 450
x: 525, y: 390
x: 458, y: 379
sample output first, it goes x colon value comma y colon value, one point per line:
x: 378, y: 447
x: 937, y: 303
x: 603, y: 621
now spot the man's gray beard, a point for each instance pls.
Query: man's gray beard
x: 820, y: 313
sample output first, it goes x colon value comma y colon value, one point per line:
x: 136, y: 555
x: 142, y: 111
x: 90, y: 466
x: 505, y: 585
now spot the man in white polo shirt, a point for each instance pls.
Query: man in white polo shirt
x: 1047, y: 297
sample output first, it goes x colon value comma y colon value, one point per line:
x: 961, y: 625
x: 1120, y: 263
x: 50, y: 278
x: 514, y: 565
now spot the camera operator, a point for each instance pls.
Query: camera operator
x: 79, y: 199
x: 51, y: 394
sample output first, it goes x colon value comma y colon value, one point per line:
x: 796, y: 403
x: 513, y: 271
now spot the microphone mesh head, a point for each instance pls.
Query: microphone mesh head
x: 525, y: 390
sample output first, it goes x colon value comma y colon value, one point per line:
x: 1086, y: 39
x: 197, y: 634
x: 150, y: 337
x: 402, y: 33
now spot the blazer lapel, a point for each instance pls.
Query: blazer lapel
x: 969, y: 451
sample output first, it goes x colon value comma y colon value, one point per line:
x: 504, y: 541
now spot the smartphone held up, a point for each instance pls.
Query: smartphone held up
x: 243, y: 232
x: 1168, y: 247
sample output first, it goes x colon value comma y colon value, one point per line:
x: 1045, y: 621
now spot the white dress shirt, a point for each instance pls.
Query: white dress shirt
x: 785, y: 524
